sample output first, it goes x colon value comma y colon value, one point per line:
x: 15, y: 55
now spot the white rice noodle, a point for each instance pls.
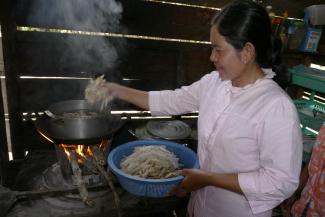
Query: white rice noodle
x: 95, y: 92
x: 154, y: 162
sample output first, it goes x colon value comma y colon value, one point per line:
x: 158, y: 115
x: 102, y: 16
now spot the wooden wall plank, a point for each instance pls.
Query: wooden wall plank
x: 146, y: 69
x: 138, y: 58
x: 3, y: 138
x: 295, y: 8
x: 61, y: 55
x: 196, y: 63
x: 135, y: 12
x: 39, y: 94
x: 138, y: 17
x: 153, y: 65
x: 58, y: 57
x: 3, y: 143
x: 8, y: 28
x: 167, y: 20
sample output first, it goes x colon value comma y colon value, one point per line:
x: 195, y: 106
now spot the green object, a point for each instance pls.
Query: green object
x: 308, y: 77
x: 311, y: 112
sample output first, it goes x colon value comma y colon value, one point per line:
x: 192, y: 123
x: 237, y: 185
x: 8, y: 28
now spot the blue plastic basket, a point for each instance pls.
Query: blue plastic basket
x: 150, y: 187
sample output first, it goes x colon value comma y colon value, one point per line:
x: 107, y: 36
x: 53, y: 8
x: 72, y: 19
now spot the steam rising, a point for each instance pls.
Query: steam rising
x: 82, y: 53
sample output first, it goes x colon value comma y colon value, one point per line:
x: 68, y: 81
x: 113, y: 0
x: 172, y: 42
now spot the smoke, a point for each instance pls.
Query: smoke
x: 93, y: 54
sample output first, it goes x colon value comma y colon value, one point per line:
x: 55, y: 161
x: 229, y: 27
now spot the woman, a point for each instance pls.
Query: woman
x: 249, y: 144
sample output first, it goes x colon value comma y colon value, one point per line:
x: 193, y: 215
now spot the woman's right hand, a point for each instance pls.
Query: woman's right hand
x: 112, y: 89
x: 134, y: 96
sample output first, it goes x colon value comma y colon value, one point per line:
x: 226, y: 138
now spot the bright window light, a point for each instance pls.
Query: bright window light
x: 11, y: 157
x: 311, y: 130
x: 316, y: 66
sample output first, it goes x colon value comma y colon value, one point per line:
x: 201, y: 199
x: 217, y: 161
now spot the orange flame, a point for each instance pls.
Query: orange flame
x: 89, y: 151
x: 81, y: 150
x: 66, y: 149
x: 102, y: 144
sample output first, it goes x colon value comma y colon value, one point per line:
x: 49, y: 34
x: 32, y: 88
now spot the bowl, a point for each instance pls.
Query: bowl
x: 156, y: 188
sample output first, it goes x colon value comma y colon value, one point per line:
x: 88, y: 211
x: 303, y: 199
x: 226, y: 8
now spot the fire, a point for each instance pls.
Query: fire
x: 84, y: 151
x: 102, y: 145
x: 81, y: 150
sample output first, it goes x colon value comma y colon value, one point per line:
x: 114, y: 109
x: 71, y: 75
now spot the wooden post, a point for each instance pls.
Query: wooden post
x: 3, y: 144
x: 11, y: 66
x: 3, y: 139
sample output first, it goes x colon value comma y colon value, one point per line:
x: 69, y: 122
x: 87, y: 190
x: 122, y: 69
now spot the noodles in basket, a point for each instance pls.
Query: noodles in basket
x: 152, y: 162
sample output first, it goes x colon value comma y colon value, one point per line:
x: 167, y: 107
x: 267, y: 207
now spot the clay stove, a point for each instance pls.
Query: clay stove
x: 77, y: 184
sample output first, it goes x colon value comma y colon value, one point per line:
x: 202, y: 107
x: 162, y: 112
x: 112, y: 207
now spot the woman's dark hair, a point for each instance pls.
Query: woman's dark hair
x: 244, y: 21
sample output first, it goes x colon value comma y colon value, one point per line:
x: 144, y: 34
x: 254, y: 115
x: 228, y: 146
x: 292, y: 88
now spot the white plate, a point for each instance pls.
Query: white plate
x: 171, y: 130
x: 142, y: 133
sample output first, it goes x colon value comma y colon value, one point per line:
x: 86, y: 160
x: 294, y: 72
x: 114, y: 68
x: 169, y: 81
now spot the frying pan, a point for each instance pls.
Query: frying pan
x: 90, y: 127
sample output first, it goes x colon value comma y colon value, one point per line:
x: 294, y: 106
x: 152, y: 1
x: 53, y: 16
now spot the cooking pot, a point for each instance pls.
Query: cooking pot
x: 78, y: 122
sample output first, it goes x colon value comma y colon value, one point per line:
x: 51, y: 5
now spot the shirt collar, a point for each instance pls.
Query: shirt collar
x: 269, y: 74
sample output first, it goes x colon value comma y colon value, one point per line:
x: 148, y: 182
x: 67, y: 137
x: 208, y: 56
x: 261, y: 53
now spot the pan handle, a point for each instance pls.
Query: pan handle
x: 49, y: 114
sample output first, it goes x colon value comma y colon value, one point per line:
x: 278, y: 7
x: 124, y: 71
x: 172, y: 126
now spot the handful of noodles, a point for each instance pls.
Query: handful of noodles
x: 153, y: 162
x: 95, y: 92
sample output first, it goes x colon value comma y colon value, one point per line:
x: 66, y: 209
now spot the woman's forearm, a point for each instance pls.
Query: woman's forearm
x: 134, y: 96
x: 196, y: 179
x: 226, y: 181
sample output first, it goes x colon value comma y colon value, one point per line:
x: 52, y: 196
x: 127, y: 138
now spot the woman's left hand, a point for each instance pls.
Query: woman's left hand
x: 194, y: 179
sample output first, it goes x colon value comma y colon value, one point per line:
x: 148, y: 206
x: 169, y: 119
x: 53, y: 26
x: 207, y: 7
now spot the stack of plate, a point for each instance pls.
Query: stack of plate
x: 142, y: 133
x: 170, y: 130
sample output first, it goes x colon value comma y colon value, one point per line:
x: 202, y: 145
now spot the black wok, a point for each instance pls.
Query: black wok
x: 90, y: 128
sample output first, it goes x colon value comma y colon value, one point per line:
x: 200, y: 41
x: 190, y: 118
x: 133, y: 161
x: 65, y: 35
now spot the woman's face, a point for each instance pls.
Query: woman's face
x: 225, y: 57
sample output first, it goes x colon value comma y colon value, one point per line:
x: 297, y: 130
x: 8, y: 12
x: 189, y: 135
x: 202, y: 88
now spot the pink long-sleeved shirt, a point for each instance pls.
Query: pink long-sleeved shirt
x: 253, y: 131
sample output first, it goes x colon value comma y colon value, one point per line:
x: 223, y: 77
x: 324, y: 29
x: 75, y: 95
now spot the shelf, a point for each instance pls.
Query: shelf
x: 311, y: 112
x: 311, y: 115
x: 297, y: 52
x: 310, y: 78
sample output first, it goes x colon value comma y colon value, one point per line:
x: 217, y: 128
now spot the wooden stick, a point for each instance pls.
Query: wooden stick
x: 98, y: 155
x: 87, y: 163
x: 111, y: 185
x: 79, y: 181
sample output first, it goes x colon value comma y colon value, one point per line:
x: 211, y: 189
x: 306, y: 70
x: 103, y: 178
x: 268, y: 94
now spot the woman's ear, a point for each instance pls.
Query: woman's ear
x: 247, y: 54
